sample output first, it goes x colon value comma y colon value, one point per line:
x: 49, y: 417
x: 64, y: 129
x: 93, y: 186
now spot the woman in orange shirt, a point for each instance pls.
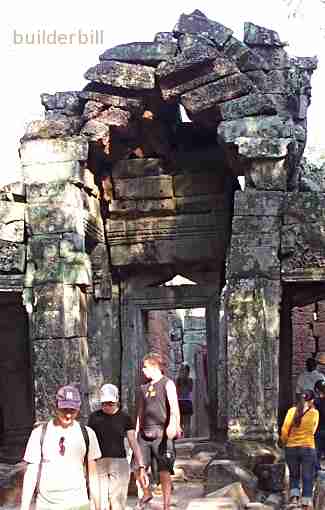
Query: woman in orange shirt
x: 297, y: 434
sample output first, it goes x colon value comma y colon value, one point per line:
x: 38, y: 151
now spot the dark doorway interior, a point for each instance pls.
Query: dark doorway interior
x: 16, y: 388
x: 302, y: 335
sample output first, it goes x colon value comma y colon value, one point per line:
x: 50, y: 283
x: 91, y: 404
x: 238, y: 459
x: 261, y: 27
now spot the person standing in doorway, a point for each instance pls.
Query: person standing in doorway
x: 158, y: 424
x: 297, y: 435
x: 111, y: 426
x: 307, y: 380
x: 184, y: 387
x: 56, y: 453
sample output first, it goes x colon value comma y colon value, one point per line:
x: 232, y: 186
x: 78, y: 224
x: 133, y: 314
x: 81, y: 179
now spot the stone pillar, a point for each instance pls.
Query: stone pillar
x: 58, y: 267
x: 253, y: 295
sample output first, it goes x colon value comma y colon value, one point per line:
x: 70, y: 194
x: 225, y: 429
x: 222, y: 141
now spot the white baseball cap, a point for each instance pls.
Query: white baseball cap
x: 109, y: 393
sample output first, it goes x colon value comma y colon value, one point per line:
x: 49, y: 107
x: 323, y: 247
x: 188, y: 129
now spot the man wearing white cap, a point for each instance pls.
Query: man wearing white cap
x: 111, y: 426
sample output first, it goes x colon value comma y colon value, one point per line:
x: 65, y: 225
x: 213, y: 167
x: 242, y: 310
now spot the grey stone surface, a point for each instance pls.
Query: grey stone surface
x: 197, y: 22
x: 119, y: 74
x: 253, y: 361
x: 12, y: 222
x: 141, y: 52
x: 55, y: 150
x: 221, y: 90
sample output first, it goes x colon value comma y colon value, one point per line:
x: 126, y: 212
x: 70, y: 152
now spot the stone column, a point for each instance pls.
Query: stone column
x: 253, y: 295
x: 58, y: 266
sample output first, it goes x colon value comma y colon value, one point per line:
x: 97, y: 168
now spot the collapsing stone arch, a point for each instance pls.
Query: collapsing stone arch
x: 119, y: 193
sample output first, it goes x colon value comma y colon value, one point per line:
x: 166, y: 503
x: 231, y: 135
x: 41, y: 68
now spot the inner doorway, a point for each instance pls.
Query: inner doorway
x: 179, y: 336
x: 138, y: 306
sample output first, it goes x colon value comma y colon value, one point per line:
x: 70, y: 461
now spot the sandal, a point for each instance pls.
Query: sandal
x: 294, y: 501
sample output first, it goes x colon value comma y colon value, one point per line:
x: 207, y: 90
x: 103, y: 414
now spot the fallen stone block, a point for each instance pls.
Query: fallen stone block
x: 212, y: 504
x: 234, y: 491
x: 220, y: 473
x: 120, y: 74
x: 150, y: 53
x: 270, y: 476
x: 59, y: 125
x: 102, y: 93
x: 221, y: 90
x: 197, y: 22
x: 260, y: 36
x: 68, y: 102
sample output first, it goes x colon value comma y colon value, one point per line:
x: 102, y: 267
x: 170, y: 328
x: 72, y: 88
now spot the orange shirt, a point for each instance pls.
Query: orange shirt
x: 302, y: 435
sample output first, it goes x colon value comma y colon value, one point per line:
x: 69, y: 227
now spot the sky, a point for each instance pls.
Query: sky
x: 31, y: 69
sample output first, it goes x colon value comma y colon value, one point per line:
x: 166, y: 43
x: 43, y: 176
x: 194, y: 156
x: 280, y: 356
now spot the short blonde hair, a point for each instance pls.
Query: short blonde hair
x: 154, y: 359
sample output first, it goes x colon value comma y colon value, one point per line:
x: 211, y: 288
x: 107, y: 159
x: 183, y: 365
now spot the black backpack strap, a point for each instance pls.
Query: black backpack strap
x: 86, y: 438
x: 39, y: 474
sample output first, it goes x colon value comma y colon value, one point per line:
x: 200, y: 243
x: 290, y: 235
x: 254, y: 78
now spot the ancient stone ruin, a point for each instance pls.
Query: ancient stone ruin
x: 119, y: 194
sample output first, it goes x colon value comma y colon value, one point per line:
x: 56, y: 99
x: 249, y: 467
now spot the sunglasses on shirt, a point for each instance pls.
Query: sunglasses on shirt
x: 62, y: 446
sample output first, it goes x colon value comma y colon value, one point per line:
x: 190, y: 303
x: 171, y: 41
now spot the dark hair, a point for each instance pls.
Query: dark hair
x: 153, y: 358
x: 311, y: 364
x: 305, y: 397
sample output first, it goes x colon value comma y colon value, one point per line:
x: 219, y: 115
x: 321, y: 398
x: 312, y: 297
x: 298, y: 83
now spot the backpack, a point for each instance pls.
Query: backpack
x: 86, y: 439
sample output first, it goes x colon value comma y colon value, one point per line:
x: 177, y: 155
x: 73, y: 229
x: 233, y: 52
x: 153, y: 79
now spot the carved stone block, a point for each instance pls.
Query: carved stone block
x: 126, y: 76
x: 53, y: 193
x: 252, y: 104
x: 42, y: 219
x: 259, y: 203
x: 254, y: 247
x: 209, y: 95
x: 253, y: 343
x: 54, y: 150
x: 201, y: 184
x: 261, y: 36
x: 150, y: 53
x: 58, y: 361
x: 12, y: 257
x: 148, y: 187
x: 262, y: 126
x: 258, y: 148
x: 12, y: 221
x: 268, y: 175
x: 60, y: 312
x: 41, y: 173
x: 197, y: 22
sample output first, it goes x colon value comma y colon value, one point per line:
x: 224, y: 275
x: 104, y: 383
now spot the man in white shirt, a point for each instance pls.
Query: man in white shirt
x: 307, y: 380
x: 56, y: 463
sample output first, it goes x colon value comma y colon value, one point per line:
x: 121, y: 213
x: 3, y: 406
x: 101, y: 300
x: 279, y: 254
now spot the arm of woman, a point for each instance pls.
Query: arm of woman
x: 316, y: 420
x: 286, y: 425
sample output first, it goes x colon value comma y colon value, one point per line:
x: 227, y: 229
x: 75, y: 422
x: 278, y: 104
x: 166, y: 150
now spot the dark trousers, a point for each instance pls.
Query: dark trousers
x: 301, y: 463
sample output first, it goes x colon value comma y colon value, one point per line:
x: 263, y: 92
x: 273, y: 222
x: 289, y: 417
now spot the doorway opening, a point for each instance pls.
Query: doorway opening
x: 16, y: 386
x: 179, y: 336
x: 302, y: 336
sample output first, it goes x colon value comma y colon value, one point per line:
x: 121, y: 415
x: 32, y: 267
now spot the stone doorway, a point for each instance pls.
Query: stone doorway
x: 179, y: 335
x: 302, y: 335
x: 135, y: 306
x: 16, y: 387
